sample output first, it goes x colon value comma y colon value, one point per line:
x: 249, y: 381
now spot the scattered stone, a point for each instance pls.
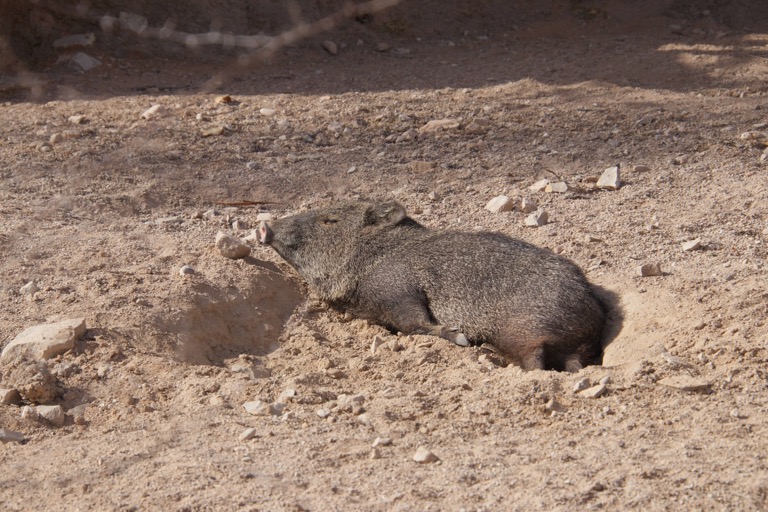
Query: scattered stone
x: 9, y: 396
x: 420, y: 166
x: 558, y: 188
x: 56, y: 138
x: 330, y: 47
x: 212, y: 131
x: 477, y: 126
x: 257, y: 408
x: 84, y: 61
x: 592, y: 239
x: 437, y: 125
x: 231, y: 247
x: 594, y: 391
x: 277, y: 408
x: 605, y: 380
x: 581, y: 385
x: 133, y: 22
x: 186, y: 270
x: 734, y: 414
x: 537, y: 219
x: 29, y: 289
x: 29, y: 413
x: 692, y: 245
x: 553, y: 406
x: 352, y: 170
x: 76, y: 119
x: 226, y: 98
x: 381, y: 441
x: 641, y: 168
x: 382, y: 47
x: 610, y: 179
x: 154, y: 112
x: 247, y: 434
x: 323, y: 413
x: 9, y: 436
x: 528, y: 205
x: 263, y: 216
x: 375, y: 454
x: 424, y: 456
x: 539, y: 185
x: 394, y: 345
x: 650, y: 270
x: 267, y: 112
x: 680, y: 160
x: 500, y: 204
x: 174, y: 219
x: 685, y: 383
x: 287, y: 395
x: 376, y: 343
x: 75, y: 40
x: 335, y: 373
x: 46, y: 340
x: 239, y: 225
x: 407, y: 136
x: 78, y: 414
x: 53, y: 414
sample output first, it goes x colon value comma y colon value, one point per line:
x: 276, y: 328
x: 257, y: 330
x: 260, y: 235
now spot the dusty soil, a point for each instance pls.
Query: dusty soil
x: 103, y: 220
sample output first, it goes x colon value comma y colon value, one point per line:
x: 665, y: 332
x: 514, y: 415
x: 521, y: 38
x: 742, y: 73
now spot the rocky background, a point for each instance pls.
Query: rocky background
x: 148, y: 362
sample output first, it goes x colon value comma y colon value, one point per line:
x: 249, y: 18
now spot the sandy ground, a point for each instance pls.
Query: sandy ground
x: 103, y: 219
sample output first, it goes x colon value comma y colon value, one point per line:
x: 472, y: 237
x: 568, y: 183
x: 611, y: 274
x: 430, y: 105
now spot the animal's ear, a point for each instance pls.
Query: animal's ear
x: 385, y: 214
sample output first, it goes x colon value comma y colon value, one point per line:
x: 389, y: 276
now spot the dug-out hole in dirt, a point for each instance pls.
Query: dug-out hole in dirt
x: 218, y: 321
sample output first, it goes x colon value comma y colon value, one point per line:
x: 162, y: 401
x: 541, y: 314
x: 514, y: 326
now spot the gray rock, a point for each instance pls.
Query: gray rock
x: 78, y: 119
x: 323, y: 413
x: 29, y: 413
x: 537, y: 219
x: 154, y: 112
x: 692, y: 245
x: 9, y: 436
x: 231, y: 247
x: 257, y: 408
x: 53, y: 414
x: 528, y: 205
x: 186, y: 270
x: 581, y: 385
x: 424, y: 456
x: 594, y: 391
x: 539, y: 185
x: 75, y: 40
x: 610, y: 179
x: 247, y: 434
x: 685, y: 383
x: 650, y: 270
x: 84, y: 61
x: 376, y: 343
x: 330, y: 47
x: 29, y: 289
x: 500, y: 204
x: 558, y: 188
x: 9, y: 396
x: 46, y: 340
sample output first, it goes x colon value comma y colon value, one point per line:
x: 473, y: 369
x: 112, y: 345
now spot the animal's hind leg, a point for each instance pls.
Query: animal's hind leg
x: 413, y: 317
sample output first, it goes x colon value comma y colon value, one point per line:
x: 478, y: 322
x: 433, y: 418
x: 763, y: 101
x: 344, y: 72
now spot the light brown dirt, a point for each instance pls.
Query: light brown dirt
x: 168, y: 360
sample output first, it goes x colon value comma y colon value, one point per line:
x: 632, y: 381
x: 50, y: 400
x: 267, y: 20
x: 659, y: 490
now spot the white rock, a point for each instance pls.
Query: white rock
x: 257, y: 408
x: 375, y: 454
x: 500, y: 204
x: 424, y: 456
x: 53, y: 414
x: 56, y: 138
x: 594, y: 391
x: 263, y: 217
x: 231, y: 247
x: 287, y: 395
x: 381, y: 441
x: 692, y: 245
x: 559, y: 188
x: 29, y: 289
x: 650, y: 270
x: 553, y: 406
x: 267, y: 112
x: 376, y: 343
x: 186, y: 270
x: 539, y: 185
x: 9, y: 436
x: 528, y: 205
x: 323, y: 413
x: 581, y: 385
x: 437, y: 125
x: 46, y: 340
x: 85, y: 61
x: 330, y: 47
x: 685, y: 383
x: 9, y: 396
x: 247, y: 434
x: 537, y: 219
x: 154, y: 112
x: 610, y: 179
x: 29, y: 413
x: 78, y: 119
x: 75, y: 40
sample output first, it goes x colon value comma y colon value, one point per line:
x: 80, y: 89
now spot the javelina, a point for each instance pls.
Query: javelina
x: 375, y: 262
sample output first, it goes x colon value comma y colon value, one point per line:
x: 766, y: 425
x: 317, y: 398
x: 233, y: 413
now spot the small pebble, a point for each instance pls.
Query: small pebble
x: 9, y: 396
x: 685, y: 383
x: 558, y: 188
x: 53, y: 414
x: 323, y: 413
x: 610, y: 179
x: 212, y: 131
x: 650, y: 270
x: 257, y: 408
x: 231, y: 247
x: 381, y: 441
x: 692, y: 245
x: 153, y: 112
x: 424, y: 456
x: 76, y: 119
x: 9, y: 436
x: 539, y: 185
x: 528, y: 205
x: 594, y: 391
x: 375, y: 454
x: 500, y: 204
x: 29, y: 289
x: 537, y: 219
x: 330, y: 47
x: 186, y: 270
x: 247, y: 434
x: 267, y: 112
x: 581, y: 385
x: 376, y: 343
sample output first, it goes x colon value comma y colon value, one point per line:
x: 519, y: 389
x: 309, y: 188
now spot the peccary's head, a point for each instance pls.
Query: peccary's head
x: 321, y: 244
